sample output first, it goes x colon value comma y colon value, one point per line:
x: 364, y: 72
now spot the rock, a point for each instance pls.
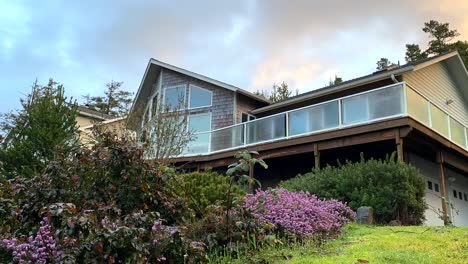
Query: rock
x: 394, y: 223
x: 365, y: 215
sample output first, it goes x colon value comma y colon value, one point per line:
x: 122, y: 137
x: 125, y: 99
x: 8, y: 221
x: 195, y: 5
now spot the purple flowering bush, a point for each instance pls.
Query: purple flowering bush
x: 41, y: 248
x: 298, y: 213
x: 106, y: 204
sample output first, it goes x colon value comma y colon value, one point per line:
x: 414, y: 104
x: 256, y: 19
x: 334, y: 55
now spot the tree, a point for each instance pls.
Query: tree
x: 115, y: 102
x: 440, y: 35
x: 462, y: 47
x: 165, y: 135
x: 337, y: 80
x: 43, y: 129
x: 278, y: 92
x: 384, y: 63
x: 414, y: 53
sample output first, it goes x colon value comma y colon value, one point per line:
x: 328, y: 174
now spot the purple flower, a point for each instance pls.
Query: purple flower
x: 298, y: 212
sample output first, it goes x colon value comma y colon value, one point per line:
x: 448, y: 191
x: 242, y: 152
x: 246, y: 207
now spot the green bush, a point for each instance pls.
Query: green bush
x: 107, y: 204
x: 393, y: 189
x: 202, y: 189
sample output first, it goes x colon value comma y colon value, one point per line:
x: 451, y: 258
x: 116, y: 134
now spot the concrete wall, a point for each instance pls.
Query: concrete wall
x: 436, y: 83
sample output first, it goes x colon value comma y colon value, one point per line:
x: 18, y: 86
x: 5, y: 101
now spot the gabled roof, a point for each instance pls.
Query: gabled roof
x: 208, y: 80
x: 85, y: 111
x: 156, y: 63
x: 374, y: 77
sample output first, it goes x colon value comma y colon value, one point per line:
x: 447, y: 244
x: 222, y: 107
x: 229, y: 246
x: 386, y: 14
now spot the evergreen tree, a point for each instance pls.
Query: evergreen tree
x: 278, y: 92
x: 44, y: 128
x: 115, y: 102
x: 335, y: 81
x: 440, y: 36
x: 414, y: 53
x: 384, y: 63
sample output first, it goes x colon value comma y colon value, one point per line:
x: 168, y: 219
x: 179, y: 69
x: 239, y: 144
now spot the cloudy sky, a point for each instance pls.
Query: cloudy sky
x: 247, y: 43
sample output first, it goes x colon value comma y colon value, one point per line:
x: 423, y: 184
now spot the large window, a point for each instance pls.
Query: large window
x: 200, y: 97
x: 201, y: 141
x: 174, y: 97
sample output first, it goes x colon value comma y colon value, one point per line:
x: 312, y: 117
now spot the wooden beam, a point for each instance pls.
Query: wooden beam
x: 435, y: 136
x: 456, y: 161
x: 443, y: 192
x: 316, y: 156
x: 399, y: 145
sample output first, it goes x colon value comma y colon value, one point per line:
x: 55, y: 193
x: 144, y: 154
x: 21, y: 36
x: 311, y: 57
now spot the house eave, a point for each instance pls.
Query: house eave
x: 338, y: 88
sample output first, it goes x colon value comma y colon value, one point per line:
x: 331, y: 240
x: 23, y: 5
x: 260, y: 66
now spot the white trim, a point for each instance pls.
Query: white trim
x: 189, y: 99
x: 340, y: 114
x: 466, y: 138
x: 429, y: 112
x: 175, y: 87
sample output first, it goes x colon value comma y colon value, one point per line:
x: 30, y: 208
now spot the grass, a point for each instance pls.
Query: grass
x: 368, y: 244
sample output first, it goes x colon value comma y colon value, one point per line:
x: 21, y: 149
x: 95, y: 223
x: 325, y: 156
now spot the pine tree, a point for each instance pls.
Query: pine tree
x: 43, y: 129
x: 278, y: 92
x: 440, y: 36
x: 414, y: 53
x: 337, y: 80
x: 116, y: 101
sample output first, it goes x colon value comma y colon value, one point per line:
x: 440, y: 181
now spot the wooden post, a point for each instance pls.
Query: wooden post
x: 443, y: 192
x: 399, y: 145
x: 317, y: 156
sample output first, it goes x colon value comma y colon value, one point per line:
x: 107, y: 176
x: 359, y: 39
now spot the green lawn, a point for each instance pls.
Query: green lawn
x: 366, y: 244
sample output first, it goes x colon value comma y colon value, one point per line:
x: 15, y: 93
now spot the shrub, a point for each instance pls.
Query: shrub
x: 201, y: 189
x: 298, y: 213
x: 236, y: 232
x: 393, y: 189
x: 105, y: 204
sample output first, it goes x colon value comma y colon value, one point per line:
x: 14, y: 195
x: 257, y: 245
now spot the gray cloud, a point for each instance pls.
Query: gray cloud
x: 247, y: 43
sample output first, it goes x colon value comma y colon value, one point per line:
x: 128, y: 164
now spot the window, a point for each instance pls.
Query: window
x: 201, y: 141
x: 429, y: 185
x: 455, y: 193
x: 246, y: 117
x: 174, y: 97
x: 460, y: 196
x: 200, y: 122
x: 436, y: 187
x: 466, y: 197
x: 200, y: 97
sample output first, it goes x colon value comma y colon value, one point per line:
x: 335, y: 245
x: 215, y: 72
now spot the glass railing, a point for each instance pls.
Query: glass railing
x: 387, y: 102
x: 426, y: 112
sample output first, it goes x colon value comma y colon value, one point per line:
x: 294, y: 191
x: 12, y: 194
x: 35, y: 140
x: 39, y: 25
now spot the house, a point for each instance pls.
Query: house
x: 86, y: 118
x: 418, y: 110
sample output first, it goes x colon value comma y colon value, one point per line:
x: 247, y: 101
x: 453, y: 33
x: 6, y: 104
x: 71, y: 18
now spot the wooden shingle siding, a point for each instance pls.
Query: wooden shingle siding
x: 245, y: 105
x: 222, y: 108
x: 435, y: 83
